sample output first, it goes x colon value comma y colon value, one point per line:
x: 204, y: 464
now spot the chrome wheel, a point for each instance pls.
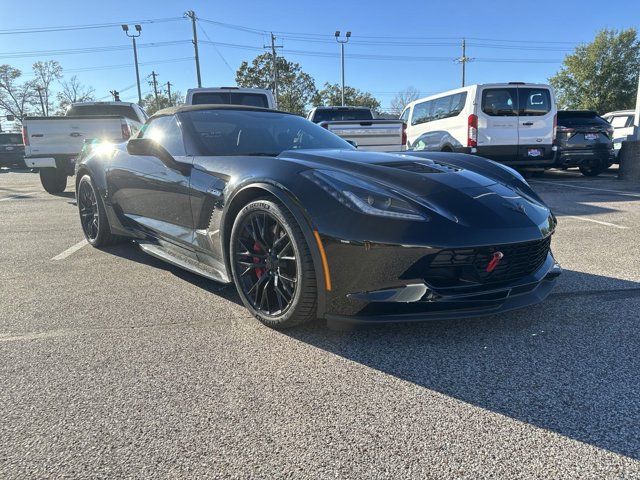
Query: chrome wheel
x: 266, y: 263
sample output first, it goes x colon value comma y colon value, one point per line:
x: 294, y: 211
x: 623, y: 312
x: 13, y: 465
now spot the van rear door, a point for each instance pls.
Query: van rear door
x: 498, y: 123
x: 535, y: 123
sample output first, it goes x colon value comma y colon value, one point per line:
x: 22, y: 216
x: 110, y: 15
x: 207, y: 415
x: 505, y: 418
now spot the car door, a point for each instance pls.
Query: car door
x: 622, y: 127
x: 498, y: 123
x: 535, y: 122
x: 151, y: 194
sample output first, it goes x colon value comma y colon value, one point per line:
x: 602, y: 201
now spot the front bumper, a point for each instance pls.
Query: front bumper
x: 396, y: 297
x: 11, y: 159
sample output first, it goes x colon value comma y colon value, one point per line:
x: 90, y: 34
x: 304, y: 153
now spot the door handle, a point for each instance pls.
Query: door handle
x: 528, y: 124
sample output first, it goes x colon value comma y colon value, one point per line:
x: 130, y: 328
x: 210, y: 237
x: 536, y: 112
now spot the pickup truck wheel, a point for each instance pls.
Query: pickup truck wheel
x: 93, y: 217
x: 54, y: 180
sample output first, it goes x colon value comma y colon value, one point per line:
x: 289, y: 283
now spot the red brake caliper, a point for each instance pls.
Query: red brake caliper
x: 259, y: 271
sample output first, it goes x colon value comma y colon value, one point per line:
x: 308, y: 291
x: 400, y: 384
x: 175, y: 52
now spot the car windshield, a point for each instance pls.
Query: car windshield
x: 10, y: 138
x: 336, y: 114
x: 249, y: 132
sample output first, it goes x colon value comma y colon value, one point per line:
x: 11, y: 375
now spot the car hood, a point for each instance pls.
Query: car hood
x: 468, y: 192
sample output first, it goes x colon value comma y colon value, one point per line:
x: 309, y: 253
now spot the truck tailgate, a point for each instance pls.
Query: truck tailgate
x: 378, y: 135
x: 66, y: 135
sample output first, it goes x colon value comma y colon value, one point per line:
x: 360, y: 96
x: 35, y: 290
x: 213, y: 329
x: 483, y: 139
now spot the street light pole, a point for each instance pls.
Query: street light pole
x: 342, y: 42
x: 125, y: 29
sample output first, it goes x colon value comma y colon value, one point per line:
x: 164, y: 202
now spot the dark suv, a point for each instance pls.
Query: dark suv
x: 584, y: 140
x: 11, y: 150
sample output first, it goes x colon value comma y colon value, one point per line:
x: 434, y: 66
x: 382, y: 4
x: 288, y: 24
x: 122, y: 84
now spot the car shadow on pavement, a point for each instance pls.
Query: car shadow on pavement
x: 569, y: 365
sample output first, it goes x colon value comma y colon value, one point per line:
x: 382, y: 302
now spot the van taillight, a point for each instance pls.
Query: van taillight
x: 25, y: 136
x: 555, y: 128
x: 126, y: 131
x: 404, y: 134
x: 472, y: 131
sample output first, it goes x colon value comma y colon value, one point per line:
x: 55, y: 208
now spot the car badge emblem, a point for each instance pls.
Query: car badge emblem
x: 495, y: 260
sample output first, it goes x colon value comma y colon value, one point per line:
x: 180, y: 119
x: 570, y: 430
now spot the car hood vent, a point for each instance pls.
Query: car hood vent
x: 419, y: 167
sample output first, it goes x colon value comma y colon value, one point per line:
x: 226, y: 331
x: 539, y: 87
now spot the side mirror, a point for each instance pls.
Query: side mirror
x: 151, y: 148
x: 353, y: 143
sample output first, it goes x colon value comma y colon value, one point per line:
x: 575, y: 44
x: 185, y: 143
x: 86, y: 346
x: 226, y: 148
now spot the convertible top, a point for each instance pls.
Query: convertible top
x: 191, y: 108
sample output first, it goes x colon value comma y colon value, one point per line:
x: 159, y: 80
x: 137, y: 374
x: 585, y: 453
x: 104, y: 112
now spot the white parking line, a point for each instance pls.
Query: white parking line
x: 17, y: 196
x: 70, y: 250
x: 617, y: 192
x: 600, y: 222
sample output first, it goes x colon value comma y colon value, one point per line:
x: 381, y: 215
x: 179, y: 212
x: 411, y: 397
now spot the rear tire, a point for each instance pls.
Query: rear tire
x: 280, y: 290
x: 592, y: 168
x: 54, y: 180
x: 93, y: 217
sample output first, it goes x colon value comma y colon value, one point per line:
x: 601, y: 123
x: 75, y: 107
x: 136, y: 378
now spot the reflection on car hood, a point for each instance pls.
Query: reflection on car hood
x: 485, y: 197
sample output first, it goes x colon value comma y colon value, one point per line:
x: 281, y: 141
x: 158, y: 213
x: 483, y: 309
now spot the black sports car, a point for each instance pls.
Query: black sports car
x: 307, y: 226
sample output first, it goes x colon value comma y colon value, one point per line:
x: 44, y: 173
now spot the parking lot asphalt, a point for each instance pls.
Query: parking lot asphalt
x: 113, y: 364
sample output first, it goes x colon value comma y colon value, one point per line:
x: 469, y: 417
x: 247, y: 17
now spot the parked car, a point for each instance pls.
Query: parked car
x: 11, y: 150
x: 307, y: 226
x: 252, y: 97
x: 359, y: 127
x: 584, y: 140
x: 622, y: 123
x: 512, y: 123
x: 53, y: 143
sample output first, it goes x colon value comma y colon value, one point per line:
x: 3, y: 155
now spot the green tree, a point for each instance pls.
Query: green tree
x: 331, y: 94
x: 296, y: 88
x: 601, y: 75
x: 151, y: 106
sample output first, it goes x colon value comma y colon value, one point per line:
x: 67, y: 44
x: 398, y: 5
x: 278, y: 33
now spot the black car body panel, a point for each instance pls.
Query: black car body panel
x: 11, y: 150
x: 378, y: 267
x: 582, y: 136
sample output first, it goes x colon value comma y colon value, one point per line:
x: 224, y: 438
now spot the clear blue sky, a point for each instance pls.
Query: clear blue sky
x: 542, y: 32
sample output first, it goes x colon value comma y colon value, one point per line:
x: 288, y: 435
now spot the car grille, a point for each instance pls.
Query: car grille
x: 455, y: 267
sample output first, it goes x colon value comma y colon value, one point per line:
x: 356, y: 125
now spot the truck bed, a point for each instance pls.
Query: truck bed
x: 374, y: 135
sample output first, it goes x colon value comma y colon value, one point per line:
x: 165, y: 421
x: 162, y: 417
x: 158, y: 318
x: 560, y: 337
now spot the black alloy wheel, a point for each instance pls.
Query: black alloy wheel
x: 272, y: 265
x: 89, y: 214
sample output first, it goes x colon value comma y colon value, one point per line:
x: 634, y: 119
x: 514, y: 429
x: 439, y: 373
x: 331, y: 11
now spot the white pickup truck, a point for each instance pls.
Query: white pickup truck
x: 358, y: 126
x: 53, y: 143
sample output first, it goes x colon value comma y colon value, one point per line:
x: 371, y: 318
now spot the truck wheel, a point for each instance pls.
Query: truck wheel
x: 54, y: 180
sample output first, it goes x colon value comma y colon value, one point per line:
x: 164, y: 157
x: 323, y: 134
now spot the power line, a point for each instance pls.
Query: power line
x: 73, y: 51
x: 65, y: 28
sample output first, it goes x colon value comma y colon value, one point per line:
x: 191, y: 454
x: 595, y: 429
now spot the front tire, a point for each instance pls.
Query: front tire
x: 54, y: 180
x: 93, y: 216
x: 272, y: 266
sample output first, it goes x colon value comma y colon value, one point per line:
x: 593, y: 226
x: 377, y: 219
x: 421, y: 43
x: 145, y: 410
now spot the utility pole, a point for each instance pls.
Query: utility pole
x: 463, y: 60
x: 39, y: 89
x: 116, y: 95
x: 342, y: 42
x: 155, y: 86
x: 192, y: 15
x: 138, y: 28
x: 169, y: 94
x: 274, y: 67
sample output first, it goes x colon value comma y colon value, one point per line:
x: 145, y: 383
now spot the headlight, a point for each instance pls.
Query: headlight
x: 363, y: 196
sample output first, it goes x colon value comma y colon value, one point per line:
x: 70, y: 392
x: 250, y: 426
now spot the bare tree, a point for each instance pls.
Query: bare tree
x: 403, y: 98
x: 16, y: 98
x: 46, y: 73
x: 73, y: 91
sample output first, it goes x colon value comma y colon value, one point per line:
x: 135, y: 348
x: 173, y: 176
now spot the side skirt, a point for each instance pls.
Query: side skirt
x: 183, y: 262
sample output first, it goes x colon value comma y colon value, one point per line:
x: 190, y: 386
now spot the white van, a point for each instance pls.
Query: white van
x: 513, y: 123
x: 622, y: 123
x: 252, y: 97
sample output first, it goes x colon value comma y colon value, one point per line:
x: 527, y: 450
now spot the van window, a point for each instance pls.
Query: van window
x: 422, y: 112
x: 405, y: 115
x: 457, y: 103
x: 534, y: 101
x: 500, y: 102
x: 622, y: 121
